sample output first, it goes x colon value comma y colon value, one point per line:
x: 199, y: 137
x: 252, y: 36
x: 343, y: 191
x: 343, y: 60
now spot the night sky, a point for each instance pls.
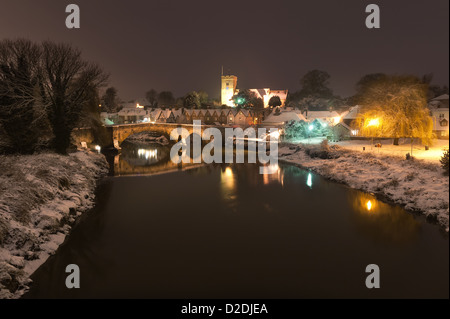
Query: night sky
x: 181, y: 45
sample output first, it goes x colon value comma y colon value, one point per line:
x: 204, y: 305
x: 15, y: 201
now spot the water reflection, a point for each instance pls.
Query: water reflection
x: 151, y: 154
x: 373, y: 218
x: 309, y: 180
x: 228, y: 184
x: 141, y: 159
x: 382, y: 222
x: 276, y: 176
x: 215, y: 231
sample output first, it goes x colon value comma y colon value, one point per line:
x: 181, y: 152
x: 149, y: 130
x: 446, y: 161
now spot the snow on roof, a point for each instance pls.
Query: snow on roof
x: 284, y: 117
x: 166, y: 113
x: 442, y: 97
x: 310, y: 115
x: 177, y: 113
x: 352, y: 113
x: 245, y: 112
x: 344, y: 125
x: 131, y: 112
x: 155, y: 114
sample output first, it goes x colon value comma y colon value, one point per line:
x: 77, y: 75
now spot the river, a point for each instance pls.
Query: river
x: 224, y: 231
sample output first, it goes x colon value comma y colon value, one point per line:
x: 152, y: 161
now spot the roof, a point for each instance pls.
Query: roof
x: 155, y: 114
x: 352, y: 113
x: 343, y: 125
x: 284, y: 117
x: 131, y: 112
x: 442, y: 97
x: 321, y: 114
x: 245, y: 112
x: 177, y: 113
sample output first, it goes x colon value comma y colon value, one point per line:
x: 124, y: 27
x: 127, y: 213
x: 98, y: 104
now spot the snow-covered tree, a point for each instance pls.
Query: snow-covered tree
x: 294, y: 130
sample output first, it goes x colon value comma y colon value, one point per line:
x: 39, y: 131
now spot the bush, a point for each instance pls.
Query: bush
x: 444, y: 162
x: 322, y: 151
x: 295, y: 130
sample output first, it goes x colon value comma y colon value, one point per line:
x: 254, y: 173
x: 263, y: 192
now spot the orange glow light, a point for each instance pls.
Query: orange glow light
x: 374, y: 122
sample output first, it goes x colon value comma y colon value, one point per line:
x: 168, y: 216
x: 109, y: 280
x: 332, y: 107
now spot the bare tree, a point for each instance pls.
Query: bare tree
x: 165, y: 98
x: 110, y: 100
x: 152, y: 97
x: 68, y: 82
x: 22, y: 111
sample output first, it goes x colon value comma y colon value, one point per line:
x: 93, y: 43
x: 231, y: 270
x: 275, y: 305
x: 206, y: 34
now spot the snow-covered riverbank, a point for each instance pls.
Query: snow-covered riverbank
x: 416, y: 184
x: 40, y: 197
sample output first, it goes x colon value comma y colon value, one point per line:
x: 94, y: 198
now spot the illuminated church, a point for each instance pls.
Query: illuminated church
x: 229, y: 89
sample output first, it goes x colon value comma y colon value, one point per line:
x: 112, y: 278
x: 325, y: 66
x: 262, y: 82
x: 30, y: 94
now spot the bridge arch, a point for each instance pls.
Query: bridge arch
x: 120, y: 133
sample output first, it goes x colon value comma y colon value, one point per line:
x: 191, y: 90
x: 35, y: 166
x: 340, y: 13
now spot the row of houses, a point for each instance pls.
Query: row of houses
x: 341, y: 122
x: 182, y: 115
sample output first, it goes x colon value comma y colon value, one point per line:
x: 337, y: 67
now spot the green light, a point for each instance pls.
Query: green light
x: 311, y: 127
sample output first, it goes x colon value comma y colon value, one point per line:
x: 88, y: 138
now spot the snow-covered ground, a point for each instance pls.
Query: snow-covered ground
x: 416, y: 184
x: 40, y: 197
x: 435, y: 152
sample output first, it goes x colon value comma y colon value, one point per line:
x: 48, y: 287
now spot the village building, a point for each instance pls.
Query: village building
x: 351, y: 115
x: 439, y: 110
x: 229, y: 89
x: 282, y: 117
x: 223, y: 116
x: 267, y: 94
x: 332, y: 117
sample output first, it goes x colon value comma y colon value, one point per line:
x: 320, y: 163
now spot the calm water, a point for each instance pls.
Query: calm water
x: 228, y: 232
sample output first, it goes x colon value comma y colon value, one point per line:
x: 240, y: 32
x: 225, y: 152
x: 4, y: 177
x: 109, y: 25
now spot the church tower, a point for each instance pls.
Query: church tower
x: 229, y: 83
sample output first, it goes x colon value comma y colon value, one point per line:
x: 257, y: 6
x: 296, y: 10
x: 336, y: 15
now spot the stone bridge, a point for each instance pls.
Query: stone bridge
x: 119, y: 133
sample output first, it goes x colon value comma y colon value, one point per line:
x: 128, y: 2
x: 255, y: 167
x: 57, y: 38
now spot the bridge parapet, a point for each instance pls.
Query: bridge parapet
x: 120, y: 133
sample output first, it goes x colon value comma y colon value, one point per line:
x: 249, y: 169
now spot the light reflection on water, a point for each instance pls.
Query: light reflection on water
x: 148, y: 153
x: 226, y: 231
x: 382, y: 222
x: 373, y: 218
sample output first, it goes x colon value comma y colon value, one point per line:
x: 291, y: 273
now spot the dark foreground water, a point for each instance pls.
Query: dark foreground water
x: 228, y: 232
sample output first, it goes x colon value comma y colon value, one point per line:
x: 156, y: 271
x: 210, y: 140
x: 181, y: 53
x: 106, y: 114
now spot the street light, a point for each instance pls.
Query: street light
x: 373, y: 123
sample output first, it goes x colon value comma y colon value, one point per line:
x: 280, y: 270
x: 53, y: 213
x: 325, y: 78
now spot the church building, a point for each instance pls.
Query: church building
x: 229, y: 89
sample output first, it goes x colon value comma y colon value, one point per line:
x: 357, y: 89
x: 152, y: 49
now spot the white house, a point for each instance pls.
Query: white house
x: 331, y: 117
x: 439, y: 110
x: 283, y: 117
